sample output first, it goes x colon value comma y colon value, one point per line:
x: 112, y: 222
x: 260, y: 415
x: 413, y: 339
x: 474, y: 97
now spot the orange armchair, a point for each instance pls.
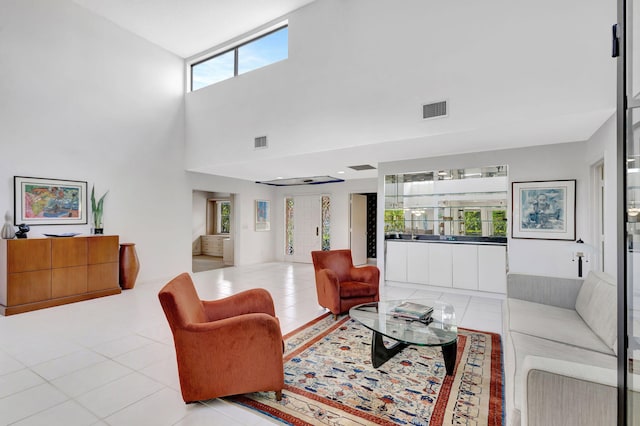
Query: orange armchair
x: 340, y: 285
x: 223, y: 347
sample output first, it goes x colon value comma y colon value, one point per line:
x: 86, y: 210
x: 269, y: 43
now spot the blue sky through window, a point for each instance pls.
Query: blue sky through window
x: 263, y: 51
x: 255, y: 54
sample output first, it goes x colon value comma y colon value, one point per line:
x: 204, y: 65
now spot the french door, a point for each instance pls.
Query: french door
x: 307, y: 226
x: 627, y: 39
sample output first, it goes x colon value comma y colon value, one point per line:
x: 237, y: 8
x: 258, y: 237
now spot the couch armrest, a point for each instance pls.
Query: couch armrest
x: 560, y: 292
x: 557, y: 392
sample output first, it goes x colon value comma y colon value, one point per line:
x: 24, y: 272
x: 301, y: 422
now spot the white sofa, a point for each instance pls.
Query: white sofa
x: 560, y: 338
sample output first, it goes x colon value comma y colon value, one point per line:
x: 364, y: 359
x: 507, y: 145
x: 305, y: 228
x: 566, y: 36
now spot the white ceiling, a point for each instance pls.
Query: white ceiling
x: 188, y: 27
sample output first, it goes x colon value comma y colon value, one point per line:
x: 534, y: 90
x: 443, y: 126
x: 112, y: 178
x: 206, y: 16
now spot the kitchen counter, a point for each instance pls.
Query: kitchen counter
x: 450, y: 239
x: 463, y: 262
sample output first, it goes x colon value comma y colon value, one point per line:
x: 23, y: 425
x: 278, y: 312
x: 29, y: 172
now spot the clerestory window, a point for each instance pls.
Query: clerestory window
x: 253, y: 54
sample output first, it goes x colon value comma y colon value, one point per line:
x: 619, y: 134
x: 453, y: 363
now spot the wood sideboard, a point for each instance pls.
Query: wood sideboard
x: 38, y: 273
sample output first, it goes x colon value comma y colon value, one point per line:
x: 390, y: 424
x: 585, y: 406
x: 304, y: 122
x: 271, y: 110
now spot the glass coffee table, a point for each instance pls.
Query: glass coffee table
x: 384, y: 322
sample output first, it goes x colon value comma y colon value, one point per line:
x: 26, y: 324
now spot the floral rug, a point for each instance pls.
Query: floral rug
x: 329, y: 380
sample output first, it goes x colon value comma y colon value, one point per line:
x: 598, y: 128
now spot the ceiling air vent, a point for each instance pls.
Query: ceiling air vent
x: 362, y: 167
x: 434, y: 110
x: 260, y: 142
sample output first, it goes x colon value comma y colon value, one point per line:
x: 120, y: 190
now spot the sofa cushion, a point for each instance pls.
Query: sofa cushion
x: 551, y: 322
x: 523, y: 345
x: 597, y: 305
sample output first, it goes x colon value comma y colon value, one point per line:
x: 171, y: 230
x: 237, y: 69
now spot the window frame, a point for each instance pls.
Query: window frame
x: 235, y: 48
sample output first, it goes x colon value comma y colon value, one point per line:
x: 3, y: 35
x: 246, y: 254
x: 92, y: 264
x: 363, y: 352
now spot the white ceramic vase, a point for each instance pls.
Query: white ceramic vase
x: 8, y: 230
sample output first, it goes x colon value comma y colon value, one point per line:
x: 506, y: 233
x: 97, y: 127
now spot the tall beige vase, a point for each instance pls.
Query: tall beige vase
x: 129, y: 265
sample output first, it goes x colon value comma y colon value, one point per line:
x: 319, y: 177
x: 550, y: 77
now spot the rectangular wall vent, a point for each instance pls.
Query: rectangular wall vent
x: 260, y: 142
x: 433, y: 110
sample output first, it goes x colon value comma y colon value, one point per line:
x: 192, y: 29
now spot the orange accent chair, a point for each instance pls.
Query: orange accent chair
x: 223, y: 347
x: 340, y: 285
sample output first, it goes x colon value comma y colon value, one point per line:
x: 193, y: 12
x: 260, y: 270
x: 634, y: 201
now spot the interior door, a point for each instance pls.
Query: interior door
x: 307, y: 226
x: 358, y: 229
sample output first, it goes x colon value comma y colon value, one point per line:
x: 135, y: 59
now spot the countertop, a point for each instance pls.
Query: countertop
x: 447, y: 239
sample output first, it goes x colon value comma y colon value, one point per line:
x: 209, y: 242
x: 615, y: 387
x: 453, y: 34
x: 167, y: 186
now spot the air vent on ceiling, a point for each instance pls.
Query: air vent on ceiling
x: 433, y: 110
x: 362, y: 167
x: 260, y: 142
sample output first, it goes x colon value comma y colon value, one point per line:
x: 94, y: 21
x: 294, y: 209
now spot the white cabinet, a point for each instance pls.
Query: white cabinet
x: 440, y: 270
x: 418, y: 263
x: 465, y: 266
x: 492, y: 269
x: 227, y: 251
x: 396, y: 262
x: 212, y: 244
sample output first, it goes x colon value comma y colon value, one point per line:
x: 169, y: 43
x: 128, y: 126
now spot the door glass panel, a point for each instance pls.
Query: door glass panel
x: 633, y: 266
x: 634, y: 51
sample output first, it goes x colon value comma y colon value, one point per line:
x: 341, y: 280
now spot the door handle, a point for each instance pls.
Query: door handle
x: 317, y: 231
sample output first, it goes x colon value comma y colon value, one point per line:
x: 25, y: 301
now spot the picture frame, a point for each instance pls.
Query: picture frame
x: 544, y: 210
x: 263, y: 221
x: 43, y: 201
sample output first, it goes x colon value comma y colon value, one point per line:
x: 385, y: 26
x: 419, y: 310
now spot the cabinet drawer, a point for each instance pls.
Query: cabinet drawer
x: 27, y: 287
x: 104, y: 249
x: 102, y: 276
x: 28, y: 255
x: 67, y: 252
x: 68, y: 281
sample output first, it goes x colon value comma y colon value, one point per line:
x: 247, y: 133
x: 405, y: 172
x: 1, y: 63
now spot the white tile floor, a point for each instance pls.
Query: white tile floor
x: 110, y: 361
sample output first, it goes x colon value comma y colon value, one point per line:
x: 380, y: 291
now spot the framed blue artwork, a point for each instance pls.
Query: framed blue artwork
x: 544, y: 210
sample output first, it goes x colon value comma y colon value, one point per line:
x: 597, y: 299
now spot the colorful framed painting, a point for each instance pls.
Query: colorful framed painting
x: 544, y: 210
x: 262, y: 216
x: 40, y: 201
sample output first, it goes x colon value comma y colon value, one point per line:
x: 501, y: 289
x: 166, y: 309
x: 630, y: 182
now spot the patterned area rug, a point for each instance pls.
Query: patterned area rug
x: 329, y: 380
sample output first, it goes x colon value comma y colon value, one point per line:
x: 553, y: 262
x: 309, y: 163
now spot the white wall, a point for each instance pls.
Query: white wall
x: 340, y: 209
x: 602, y: 147
x: 250, y: 246
x: 548, y: 162
x: 82, y: 99
x: 358, y: 72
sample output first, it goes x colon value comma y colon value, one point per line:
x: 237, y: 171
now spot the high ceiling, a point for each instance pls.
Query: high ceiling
x: 188, y: 27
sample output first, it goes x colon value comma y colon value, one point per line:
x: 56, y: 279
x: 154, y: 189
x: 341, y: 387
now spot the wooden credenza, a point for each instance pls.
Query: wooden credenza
x: 39, y: 273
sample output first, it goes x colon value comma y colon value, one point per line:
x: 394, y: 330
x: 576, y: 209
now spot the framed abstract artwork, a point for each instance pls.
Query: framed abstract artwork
x: 40, y: 201
x: 262, y: 216
x: 544, y: 210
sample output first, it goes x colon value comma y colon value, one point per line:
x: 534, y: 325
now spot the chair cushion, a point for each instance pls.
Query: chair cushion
x: 349, y: 289
x: 596, y: 303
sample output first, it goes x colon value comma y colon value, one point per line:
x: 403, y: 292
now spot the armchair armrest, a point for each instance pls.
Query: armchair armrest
x: 561, y: 292
x: 558, y: 392
x: 257, y: 300
x: 368, y: 274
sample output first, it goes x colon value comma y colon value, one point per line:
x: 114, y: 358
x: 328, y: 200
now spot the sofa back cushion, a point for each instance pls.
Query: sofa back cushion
x: 597, y: 305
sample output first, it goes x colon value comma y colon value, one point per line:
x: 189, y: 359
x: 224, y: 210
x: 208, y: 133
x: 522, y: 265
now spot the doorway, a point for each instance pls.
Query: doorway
x: 212, y: 230
x: 362, y: 228
x: 307, y: 226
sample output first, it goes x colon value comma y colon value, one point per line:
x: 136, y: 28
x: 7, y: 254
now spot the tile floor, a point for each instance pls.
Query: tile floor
x: 110, y: 361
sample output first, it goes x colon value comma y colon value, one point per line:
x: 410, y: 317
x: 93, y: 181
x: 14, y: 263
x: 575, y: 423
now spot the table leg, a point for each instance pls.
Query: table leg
x: 449, y: 352
x: 381, y: 354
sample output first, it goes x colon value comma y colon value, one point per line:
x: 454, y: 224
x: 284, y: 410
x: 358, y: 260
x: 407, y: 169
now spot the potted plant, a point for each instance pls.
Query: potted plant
x: 96, y: 208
